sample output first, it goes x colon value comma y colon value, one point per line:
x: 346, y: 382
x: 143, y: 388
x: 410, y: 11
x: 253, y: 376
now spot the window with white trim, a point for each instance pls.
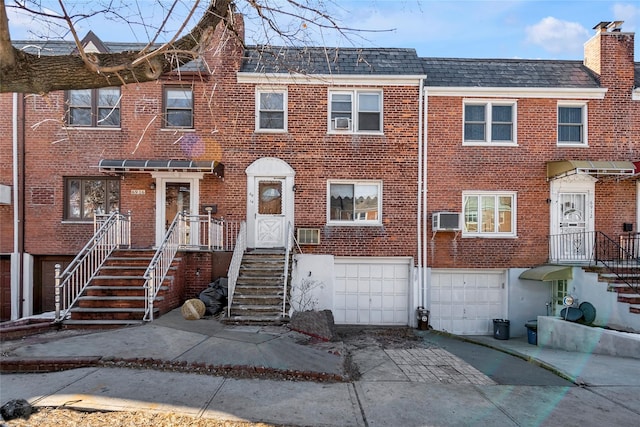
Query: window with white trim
x: 572, y: 124
x: 94, y: 107
x: 85, y: 196
x: 354, y: 202
x: 178, y: 107
x: 271, y: 110
x: 355, y: 111
x: 491, y: 122
x: 488, y: 214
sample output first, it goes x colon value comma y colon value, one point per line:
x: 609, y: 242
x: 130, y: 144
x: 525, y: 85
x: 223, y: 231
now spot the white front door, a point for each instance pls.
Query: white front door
x: 270, y: 221
x: 572, y: 218
x: 177, y: 192
x: 270, y: 191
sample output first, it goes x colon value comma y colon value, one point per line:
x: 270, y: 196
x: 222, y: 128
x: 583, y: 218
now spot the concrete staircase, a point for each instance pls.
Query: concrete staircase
x: 116, y: 296
x: 259, y: 289
x: 626, y: 294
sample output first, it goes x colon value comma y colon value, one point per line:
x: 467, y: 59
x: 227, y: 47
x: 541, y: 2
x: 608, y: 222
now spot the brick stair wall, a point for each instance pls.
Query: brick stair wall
x: 625, y: 294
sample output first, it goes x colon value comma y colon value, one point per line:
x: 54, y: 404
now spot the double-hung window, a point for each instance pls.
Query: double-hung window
x: 355, y: 111
x: 489, y: 122
x: 488, y: 214
x: 572, y: 124
x: 85, y: 196
x: 178, y: 107
x: 94, y: 107
x: 354, y: 203
x: 271, y: 110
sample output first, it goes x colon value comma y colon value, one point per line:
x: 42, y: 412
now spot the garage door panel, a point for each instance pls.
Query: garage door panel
x: 381, y: 290
x: 476, y: 297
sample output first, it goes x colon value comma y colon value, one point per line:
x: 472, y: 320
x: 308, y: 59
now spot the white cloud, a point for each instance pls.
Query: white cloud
x: 628, y: 13
x: 557, y: 36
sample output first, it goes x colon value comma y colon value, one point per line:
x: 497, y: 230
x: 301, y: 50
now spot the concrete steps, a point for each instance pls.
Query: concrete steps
x: 259, y: 290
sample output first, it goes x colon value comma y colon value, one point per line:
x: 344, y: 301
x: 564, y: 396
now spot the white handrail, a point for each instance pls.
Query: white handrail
x: 161, y: 262
x: 69, y: 285
x: 234, y: 266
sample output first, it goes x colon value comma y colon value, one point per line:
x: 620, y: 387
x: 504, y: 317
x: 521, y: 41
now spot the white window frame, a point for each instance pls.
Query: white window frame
x: 353, y: 222
x: 489, y: 104
x: 355, y: 109
x: 280, y: 90
x: 585, y: 115
x: 497, y: 218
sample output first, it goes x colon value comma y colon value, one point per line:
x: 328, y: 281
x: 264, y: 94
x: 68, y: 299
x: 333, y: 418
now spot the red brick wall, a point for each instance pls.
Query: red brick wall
x: 454, y: 168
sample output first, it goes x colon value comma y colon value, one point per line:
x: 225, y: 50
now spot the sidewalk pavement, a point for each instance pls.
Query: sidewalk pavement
x: 414, y: 387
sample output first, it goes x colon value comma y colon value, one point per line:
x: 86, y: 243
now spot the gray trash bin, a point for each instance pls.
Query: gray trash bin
x: 501, y: 329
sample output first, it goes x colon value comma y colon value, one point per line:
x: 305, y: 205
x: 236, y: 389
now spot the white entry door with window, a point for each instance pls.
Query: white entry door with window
x: 177, y: 192
x: 572, y: 218
x: 269, y: 202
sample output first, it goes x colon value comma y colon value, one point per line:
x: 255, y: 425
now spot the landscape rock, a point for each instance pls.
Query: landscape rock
x: 318, y: 324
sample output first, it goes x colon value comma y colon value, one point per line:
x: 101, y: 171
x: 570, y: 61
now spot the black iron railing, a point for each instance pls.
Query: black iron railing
x: 620, y: 256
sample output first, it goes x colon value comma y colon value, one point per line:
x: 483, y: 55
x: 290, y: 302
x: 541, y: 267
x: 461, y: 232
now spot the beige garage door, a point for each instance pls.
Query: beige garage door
x: 466, y: 302
x: 372, y: 291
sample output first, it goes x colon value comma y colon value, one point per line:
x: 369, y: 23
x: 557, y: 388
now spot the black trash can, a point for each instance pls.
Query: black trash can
x: 501, y: 329
x: 532, y: 332
x: 423, y: 318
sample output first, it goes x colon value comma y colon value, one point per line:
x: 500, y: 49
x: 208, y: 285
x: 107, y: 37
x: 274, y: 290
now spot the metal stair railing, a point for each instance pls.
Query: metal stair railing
x: 114, y: 232
x: 288, y: 246
x: 234, y: 266
x: 619, y: 258
x: 161, y: 262
x: 204, y: 232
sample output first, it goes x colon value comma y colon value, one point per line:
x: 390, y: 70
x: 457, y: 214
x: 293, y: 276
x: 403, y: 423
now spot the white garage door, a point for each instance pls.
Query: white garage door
x: 372, y: 291
x: 466, y: 302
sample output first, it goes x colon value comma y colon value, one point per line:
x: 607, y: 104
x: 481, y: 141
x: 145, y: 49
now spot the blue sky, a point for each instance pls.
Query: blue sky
x: 541, y: 29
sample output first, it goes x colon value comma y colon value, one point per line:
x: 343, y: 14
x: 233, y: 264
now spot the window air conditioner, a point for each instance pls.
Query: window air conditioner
x: 308, y: 236
x: 342, y: 123
x: 446, y: 221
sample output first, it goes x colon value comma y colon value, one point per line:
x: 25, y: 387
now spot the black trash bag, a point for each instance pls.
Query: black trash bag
x: 17, y: 408
x: 214, y: 296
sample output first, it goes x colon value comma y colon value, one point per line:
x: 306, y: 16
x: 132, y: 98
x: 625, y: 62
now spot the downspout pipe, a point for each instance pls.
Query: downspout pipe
x: 425, y: 187
x: 421, y: 293
x: 16, y: 261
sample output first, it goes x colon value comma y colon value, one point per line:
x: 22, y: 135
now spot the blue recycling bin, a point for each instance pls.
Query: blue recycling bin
x: 532, y: 332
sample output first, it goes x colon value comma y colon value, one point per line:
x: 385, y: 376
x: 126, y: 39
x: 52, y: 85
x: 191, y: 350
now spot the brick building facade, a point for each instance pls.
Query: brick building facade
x: 362, y: 146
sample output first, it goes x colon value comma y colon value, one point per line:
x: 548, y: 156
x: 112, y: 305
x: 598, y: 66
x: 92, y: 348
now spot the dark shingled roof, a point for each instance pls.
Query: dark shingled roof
x: 331, y: 60
x: 62, y: 47
x: 456, y: 72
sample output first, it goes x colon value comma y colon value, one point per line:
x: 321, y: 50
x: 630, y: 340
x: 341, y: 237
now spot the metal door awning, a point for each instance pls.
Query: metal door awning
x: 142, y: 165
x: 548, y: 273
x: 562, y: 168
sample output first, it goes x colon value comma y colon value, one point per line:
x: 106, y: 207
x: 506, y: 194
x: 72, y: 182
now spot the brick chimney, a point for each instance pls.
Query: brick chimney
x: 609, y: 53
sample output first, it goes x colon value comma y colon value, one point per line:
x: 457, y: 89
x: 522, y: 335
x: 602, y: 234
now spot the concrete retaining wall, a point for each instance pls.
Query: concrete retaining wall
x: 555, y: 332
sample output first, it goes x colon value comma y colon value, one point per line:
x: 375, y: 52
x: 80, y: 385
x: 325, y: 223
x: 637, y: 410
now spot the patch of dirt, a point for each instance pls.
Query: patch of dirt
x: 397, y: 337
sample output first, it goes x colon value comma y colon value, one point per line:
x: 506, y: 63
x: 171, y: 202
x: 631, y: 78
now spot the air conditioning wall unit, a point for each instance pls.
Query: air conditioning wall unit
x: 446, y: 221
x: 342, y: 123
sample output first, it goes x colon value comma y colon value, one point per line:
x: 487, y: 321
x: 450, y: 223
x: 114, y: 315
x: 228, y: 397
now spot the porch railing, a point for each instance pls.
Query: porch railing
x: 620, y: 256
x: 204, y: 232
x: 161, y: 262
x: 234, y: 266
x: 110, y: 232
